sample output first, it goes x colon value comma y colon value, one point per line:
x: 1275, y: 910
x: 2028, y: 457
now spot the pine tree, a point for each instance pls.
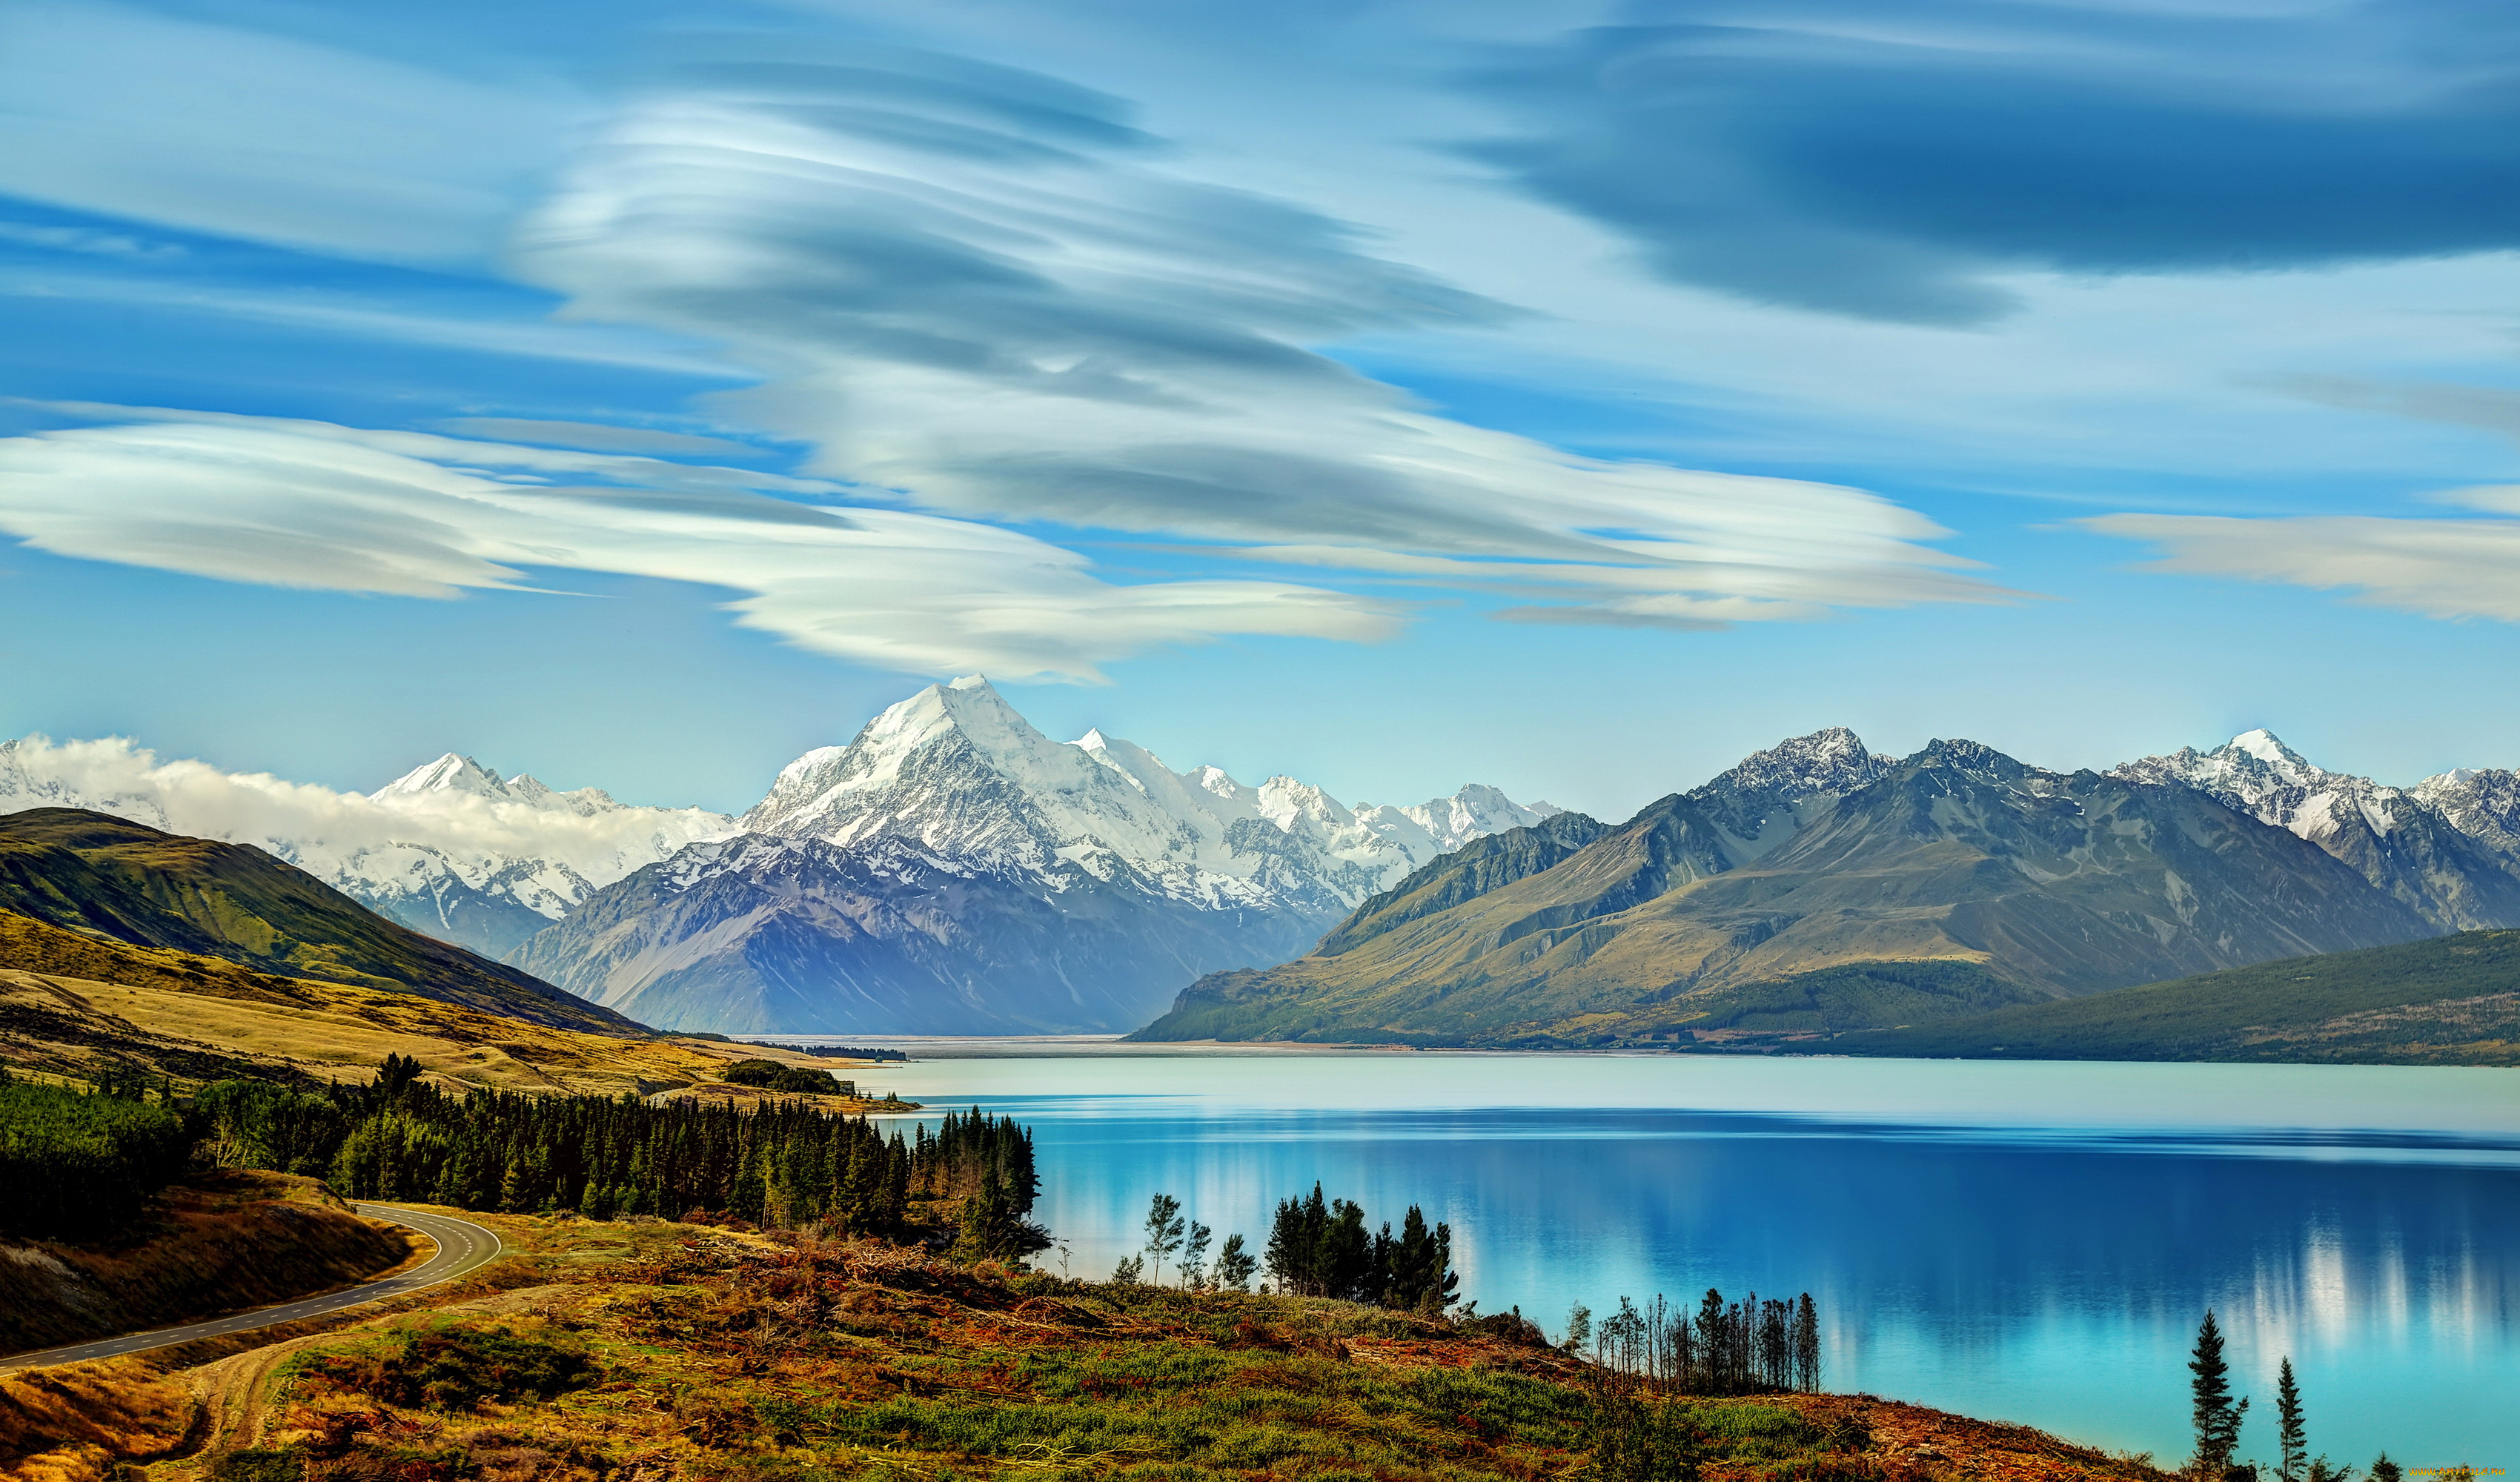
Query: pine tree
x: 1194, y: 1256
x: 2217, y: 1418
x: 1164, y: 1231
x: 1234, y: 1266
x: 2293, y: 1445
x: 1806, y: 1344
x: 2385, y: 1470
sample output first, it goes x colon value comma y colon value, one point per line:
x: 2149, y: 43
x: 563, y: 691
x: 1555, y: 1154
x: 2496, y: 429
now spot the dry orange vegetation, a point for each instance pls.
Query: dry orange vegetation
x: 653, y: 1352
x: 69, y: 1003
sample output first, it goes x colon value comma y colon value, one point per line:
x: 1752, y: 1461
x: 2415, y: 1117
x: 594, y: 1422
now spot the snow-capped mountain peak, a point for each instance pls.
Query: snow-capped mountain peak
x: 2268, y: 747
x: 2481, y: 802
x: 2256, y: 773
x: 2445, y: 847
x: 957, y: 771
x: 451, y: 773
x: 448, y: 847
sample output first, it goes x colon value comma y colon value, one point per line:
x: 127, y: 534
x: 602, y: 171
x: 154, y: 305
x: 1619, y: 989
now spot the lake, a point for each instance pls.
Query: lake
x: 2016, y: 1241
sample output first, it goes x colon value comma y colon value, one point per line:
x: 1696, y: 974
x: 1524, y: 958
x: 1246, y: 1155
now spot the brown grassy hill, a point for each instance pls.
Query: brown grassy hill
x: 1957, y: 882
x: 113, y: 878
x: 70, y: 1004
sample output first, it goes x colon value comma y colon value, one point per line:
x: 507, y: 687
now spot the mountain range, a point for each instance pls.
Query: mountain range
x: 954, y: 870
x: 1817, y: 887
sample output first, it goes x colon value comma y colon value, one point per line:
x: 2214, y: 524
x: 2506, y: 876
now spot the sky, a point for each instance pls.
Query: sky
x: 1396, y: 395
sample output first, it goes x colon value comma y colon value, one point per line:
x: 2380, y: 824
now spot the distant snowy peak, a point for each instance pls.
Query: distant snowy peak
x: 956, y: 771
x: 2483, y: 804
x: 448, y: 849
x: 462, y: 776
x: 2256, y: 773
x: 2448, y: 847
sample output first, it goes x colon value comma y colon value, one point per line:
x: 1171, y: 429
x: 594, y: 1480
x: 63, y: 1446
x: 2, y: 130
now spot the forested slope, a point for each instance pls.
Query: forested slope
x: 2452, y: 1000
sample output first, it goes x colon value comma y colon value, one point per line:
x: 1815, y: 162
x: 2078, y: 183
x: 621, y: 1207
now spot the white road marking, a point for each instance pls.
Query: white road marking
x: 452, y: 1260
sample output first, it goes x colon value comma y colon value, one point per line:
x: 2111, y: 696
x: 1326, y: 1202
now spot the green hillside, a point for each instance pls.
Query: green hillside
x: 110, y: 877
x: 2449, y: 1000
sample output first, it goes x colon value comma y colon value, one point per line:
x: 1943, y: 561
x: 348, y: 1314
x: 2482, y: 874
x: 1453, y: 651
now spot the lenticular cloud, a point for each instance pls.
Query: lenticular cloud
x: 979, y: 289
x: 313, y: 505
x: 985, y: 302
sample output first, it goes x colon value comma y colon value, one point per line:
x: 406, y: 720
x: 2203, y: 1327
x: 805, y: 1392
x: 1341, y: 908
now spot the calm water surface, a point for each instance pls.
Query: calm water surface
x: 2024, y: 1241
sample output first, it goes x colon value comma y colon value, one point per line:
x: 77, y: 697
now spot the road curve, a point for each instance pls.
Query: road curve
x: 462, y: 1247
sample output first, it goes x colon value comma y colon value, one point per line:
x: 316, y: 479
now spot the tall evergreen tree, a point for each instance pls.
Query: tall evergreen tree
x: 2216, y: 1417
x: 1806, y: 1344
x: 2292, y: 1443
x: 1234, y: 1266
x: 2385, y: 1470
x: 1194, y: 1255
x: 1164, y: 1231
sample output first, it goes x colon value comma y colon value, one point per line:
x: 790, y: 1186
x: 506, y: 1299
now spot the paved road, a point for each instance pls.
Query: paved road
x: 462, y: 1246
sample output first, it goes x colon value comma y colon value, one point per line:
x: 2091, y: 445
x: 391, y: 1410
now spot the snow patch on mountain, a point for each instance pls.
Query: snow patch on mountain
x: 1765, y: 797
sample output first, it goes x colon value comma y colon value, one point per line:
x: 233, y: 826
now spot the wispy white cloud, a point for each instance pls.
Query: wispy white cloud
x: 307, y: 504
x: 88, y: 241
x: 2444, y: 568
x: 984, y: 290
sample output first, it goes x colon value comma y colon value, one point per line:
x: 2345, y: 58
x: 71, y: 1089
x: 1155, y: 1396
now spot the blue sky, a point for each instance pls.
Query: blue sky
x: 1395, y: 395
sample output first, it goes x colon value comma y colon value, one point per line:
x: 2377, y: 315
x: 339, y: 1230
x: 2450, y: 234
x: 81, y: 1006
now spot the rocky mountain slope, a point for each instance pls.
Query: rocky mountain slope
x: 2447, y: 847
x: 1959, y: 876
x: 110, y: 879
x: 953, y: 869
x: 449, y: 850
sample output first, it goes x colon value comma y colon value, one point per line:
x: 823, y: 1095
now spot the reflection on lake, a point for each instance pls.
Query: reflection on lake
x: 2021, y: 1241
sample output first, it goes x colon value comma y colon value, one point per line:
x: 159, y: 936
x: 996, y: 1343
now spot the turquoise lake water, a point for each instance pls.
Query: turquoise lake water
x: 2017, y: 1240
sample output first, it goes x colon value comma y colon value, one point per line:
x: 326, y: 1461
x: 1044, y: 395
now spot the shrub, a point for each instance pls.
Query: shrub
x: 458, y: 1367
x: 769, y: 1075
x: 258, y: 1466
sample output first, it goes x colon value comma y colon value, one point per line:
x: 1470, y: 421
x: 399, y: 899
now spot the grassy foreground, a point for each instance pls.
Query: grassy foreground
x: 653, y: 1352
